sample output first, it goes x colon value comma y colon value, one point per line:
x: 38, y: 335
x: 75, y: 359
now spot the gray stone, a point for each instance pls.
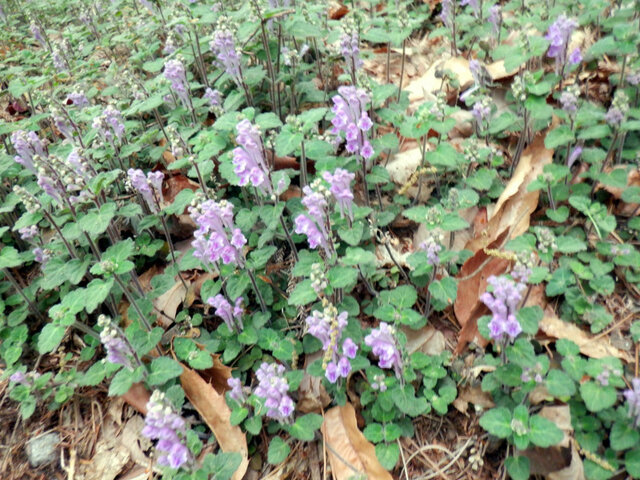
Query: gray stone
x: 43, y: 449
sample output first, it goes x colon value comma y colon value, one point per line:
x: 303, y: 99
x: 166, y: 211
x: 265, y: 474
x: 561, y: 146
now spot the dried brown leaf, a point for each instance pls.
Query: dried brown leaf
x: 341, y: 434
x: 213, y: 409
x: 170, y: 300
x: 427, y: 340
x: 472, y: 395
x: 137, y: 397
x: 591, y: 346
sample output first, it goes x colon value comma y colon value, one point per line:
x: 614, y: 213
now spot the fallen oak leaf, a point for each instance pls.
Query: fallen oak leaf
x: 212, y: 407
x: 350, y: 453
x: 594, y: 347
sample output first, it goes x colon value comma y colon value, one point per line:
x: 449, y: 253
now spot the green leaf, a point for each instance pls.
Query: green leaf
x: 305, y: 426
x: 278, y: 451
x: 518, y: 467
x: 404, y: 296
x: 259, y: 258
x: 497, y: 422
x: 374, y: 432
x: 303, y: 294
x: 342, y: 277
x: 9, y: 258
x: 543, y: 432
x: 623, y: 436
x: 443, y: 292
x: 559, y: 136
x: 222, y: 465
x: 559, y: 384
x: 96, y: 222
x: 407, y: 402
x: 122, y: 381
x: 596, y: 397
x: 96, y: 293
x: 163, y: 369
x: 352, y: 235
x: 529, y: 318
x: 388, y: 454
x: 632, y: 462
x: 287, y: 142
x: 50, y: 337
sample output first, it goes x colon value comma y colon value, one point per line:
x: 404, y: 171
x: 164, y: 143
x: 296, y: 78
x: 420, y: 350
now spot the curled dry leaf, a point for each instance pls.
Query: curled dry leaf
x: 170, y: 300
x: 212, y: 407
x: 474, y: 395
x: 425, y: 86
x: 427, y: 340
x: 312, y: 396
x: 341, y: 434
x: 592, y: 346
x: 402, y: 171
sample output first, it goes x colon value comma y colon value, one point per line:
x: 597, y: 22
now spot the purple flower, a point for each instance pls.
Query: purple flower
x: 217, y: 239
x: 385, y: 346
x: 19, y: 377
x: 227, y: 55
x: 27, y: 145
x: 274, y: 388
x: 117, y: 349
x: 78, y: 98
x: 237, y: 392
x: 249, y: 160
x: 633, y: 79
x: 62, y: 124
x: 569, y: 101
x: 503, y: 303
x: 558, y: 35
x: 327, y: 326
x: 149, y: 186
x: 58, y: 61
x: 41, y: 255
x: 28, y: 233
x: 349, y: 46
x: 446, y: 15
x: 633, y: 398
x: 213, y: 96
x: 575, y: 57
x: 110, y: 123
x: 313, y: 224
x: 474, y: 4
x: 432, y: 248
x: 340, y: 187
x: 174, y: 72
x: 162, y: 423
x: 573, y: 156
x: 614, y: 117
x: 495, y: 19
x: 481, y: 111
x: 36, y: 31
x: 352, y: 120
x: 232, y: 316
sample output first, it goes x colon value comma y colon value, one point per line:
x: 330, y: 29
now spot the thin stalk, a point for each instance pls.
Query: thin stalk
x: 303, y: 166
x: 272, y: 88
x: 16, y: 286
x: 263, y: 306
x: 172, y: 249
x: 292, y: 245
x: 133, y: 302
x: 404, y: 47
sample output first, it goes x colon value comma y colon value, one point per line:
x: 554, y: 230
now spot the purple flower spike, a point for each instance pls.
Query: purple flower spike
x: 274, y: 388
x: 227, y: 55
x: 633, y: 398
x: 27, y: 145
x: 352, y: 120
x: 350, y: 49
x: 110, y: 123
x: 249, y: 160
x: 446, y: 15
x: 575, y: 57
x: 164, y: 424
x: 217, y: 239
x: 313, y: 224
x: 174, y: 72
x: 559, y: 34
x: 495, y: 19
x: 36, y: 31
x: 327, y: 326
x: 117, y: 349
x: 340, y: 182
x: 232, y: 316
x: 78, y: 99
x: 213, y: 96
x: 149, y: 186
x: 385, y: 346
x: 237, y: 392
x: 503, y: 303
x: 474, y: 4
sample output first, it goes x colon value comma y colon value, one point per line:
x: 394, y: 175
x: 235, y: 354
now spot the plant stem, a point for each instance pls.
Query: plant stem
x: 252, y: 276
